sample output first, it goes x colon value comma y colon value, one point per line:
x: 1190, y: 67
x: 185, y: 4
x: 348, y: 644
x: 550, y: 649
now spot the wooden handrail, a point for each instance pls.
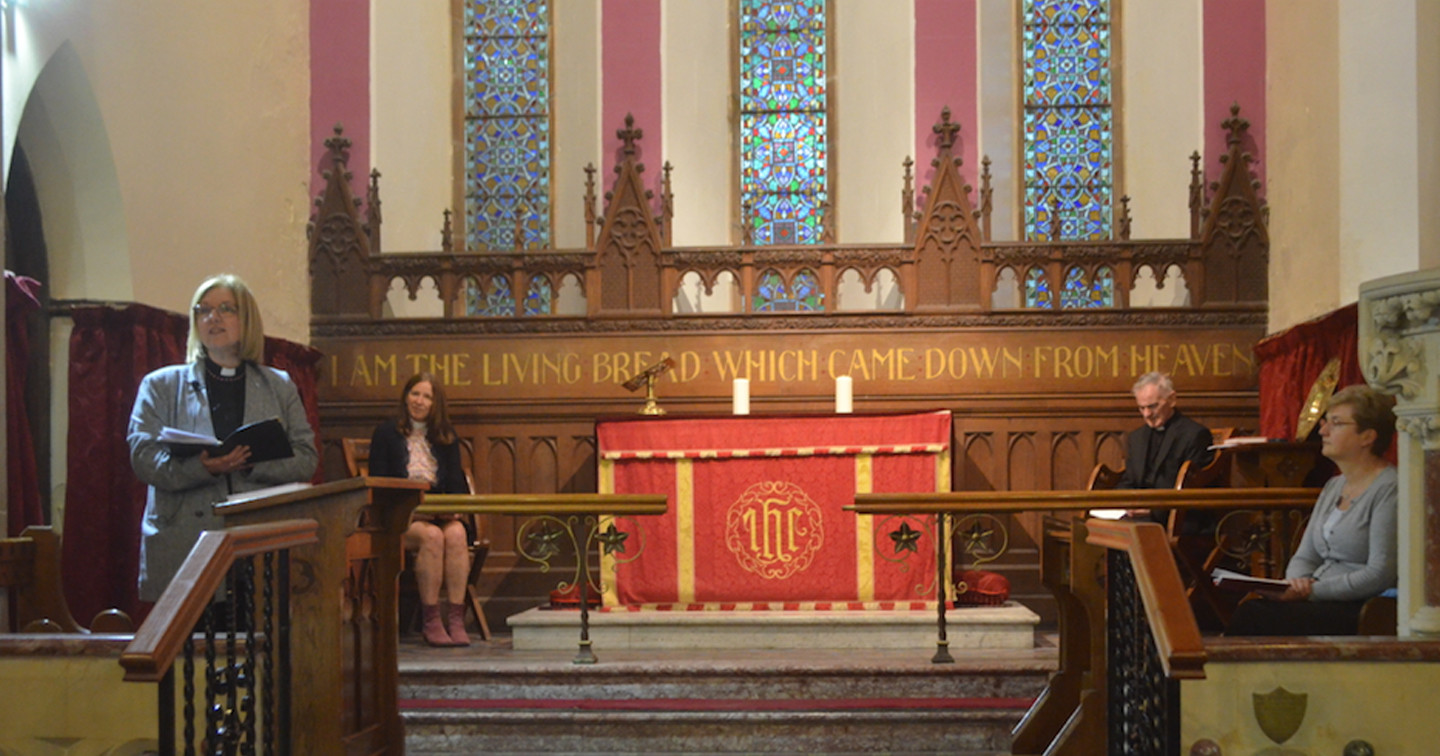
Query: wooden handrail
x: 1061, y: 501
x: 1162, y: 592
x: 158, y: 641
x: 523, y: 504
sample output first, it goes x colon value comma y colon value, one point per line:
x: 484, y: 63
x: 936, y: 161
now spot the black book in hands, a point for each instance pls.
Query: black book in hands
x: 266, y: 438
x: 1231, y: 580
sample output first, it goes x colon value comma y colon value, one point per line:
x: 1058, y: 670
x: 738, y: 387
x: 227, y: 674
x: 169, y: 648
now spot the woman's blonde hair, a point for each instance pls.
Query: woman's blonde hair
x: 1371, y: 410
x: 252, y: 328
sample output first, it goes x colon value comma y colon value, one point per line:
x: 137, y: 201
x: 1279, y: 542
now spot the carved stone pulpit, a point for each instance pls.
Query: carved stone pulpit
x: 1399, y: 344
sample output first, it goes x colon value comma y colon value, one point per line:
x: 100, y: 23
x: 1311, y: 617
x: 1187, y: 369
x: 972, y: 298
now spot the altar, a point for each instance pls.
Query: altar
x: 756, y: 518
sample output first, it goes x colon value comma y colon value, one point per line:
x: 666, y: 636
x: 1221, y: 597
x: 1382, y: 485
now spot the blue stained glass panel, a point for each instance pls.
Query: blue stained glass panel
x: 511, y: 72
x: 1077, y: 290
x: 783, y: 100
x: 507, y: 126
x: 1102, y: 291
x: 1068, y: 116
x: 495, y: 18
x: 540, y: 299
x: 802, y: 295
x: 493, y: 300
x: 1037, y: 290
x: 1080, y: 292
x: 796, y: 14
x: 783, y: 72
x: 786, y: 151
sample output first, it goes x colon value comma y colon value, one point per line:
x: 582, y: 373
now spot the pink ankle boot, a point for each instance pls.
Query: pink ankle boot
x: 455, y: 624
x: 434, y: 626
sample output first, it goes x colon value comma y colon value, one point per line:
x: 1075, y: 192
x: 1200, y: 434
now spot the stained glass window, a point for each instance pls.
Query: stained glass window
x: 1037, y: 290
x: 491, y: 300
x: 1081, y: 292
x: 801, y: 295
x: 540, y: 299
x: 783, y: 154
x: 507, y: 124
x: 1067, y: 94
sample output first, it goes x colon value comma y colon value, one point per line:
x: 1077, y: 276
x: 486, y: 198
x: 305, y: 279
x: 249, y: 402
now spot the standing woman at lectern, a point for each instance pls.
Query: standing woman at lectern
x: 1347, y: 554
x: 420, y: 444
x: 220, y: 388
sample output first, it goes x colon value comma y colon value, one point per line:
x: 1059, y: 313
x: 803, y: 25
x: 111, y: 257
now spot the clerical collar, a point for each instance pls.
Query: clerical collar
x: 223, y: 373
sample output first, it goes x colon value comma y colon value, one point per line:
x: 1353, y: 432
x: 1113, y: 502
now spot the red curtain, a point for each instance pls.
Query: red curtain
x: 23, y: 502
x: 1291, y: 360
x: 111, y: 350
x: 302, y: 363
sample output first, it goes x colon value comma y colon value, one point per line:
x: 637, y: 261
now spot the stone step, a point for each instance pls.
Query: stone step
x: 1008, y: 626
x: 818, y: 732
x: 494, y: 699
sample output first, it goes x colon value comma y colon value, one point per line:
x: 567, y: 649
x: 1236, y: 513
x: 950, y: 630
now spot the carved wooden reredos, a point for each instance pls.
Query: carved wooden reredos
x: 1039, y: 395
x: 946, y: 263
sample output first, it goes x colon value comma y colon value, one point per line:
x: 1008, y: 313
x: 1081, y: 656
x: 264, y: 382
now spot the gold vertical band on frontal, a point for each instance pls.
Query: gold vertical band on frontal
x: 609, y: 593
x: 864, y: 531
x: 685, y: 530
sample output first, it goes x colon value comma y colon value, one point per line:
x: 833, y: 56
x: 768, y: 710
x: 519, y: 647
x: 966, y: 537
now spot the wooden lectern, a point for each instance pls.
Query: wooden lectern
x: 343, y: 617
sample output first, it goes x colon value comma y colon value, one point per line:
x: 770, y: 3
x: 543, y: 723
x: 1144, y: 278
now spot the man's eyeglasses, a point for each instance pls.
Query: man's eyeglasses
x: 1336, y: 423
x: 204, y: 311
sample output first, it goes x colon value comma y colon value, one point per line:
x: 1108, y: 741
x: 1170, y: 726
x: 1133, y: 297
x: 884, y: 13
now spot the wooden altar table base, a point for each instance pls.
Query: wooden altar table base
x: 1010, y: 626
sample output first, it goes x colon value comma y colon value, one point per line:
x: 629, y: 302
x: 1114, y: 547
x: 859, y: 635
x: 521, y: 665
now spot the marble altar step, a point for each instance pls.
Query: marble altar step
x: 1010, y: 625
x: 494, y: 699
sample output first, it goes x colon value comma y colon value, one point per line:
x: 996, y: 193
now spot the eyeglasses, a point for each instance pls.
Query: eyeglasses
x: 1336, y: 423
x: 204, y: 311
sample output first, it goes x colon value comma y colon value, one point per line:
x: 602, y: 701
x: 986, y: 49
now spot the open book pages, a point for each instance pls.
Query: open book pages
x: 1234, y: 441
x: 1224, y: 578
x: 1108, y: 514
x: 170, y: 435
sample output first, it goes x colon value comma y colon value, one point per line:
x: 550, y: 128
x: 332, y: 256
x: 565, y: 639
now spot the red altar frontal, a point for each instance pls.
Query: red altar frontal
x: 756, y: 507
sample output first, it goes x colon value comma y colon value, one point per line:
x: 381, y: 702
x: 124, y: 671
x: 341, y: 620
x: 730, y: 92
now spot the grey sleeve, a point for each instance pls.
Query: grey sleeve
x: 149, y: 458
x: 1381, y: 568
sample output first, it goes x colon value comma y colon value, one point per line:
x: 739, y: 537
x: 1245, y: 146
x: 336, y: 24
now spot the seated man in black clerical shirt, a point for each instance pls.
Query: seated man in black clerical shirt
x: 1156, y: 451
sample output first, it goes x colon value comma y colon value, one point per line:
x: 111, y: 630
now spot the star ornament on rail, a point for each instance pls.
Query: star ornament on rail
x: 545, y: 543
x: 906, y: 538
x: 613, y: 539
x: 977, y: 539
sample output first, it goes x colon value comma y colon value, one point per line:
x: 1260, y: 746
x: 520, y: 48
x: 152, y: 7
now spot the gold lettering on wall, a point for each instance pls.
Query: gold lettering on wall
x: 539, y: 367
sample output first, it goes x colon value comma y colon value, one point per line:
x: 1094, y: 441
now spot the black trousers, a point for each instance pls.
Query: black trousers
x: 1265, y: 617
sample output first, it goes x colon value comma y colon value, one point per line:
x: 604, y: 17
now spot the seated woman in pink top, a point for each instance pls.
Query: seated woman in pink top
x: 420, y: 444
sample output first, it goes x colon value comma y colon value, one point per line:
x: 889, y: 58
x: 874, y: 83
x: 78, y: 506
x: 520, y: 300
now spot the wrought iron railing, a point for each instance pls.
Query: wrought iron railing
x: 218, y: 644
x: 1144, y: 711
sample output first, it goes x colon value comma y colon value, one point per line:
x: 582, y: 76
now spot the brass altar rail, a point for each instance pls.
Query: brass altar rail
x: 957, y: 502
x: 1071, y: 716
x: 522, y: 504
x: 946, y: 505
x: 571, y: 513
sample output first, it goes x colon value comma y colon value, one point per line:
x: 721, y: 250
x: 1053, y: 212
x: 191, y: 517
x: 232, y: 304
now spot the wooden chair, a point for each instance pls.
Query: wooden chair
x: 357, y: 461
x: 1194, y: 557
x: 1378, y: 616
x: 30, y: 572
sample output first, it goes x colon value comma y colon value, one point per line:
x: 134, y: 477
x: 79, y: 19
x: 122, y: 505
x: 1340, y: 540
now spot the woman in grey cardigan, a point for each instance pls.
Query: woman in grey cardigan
x: 222, y: 387
x: 1347, y: 554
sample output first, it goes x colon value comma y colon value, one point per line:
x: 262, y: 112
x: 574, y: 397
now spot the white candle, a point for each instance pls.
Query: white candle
x: 740, y: 398
x: 844, y: 395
